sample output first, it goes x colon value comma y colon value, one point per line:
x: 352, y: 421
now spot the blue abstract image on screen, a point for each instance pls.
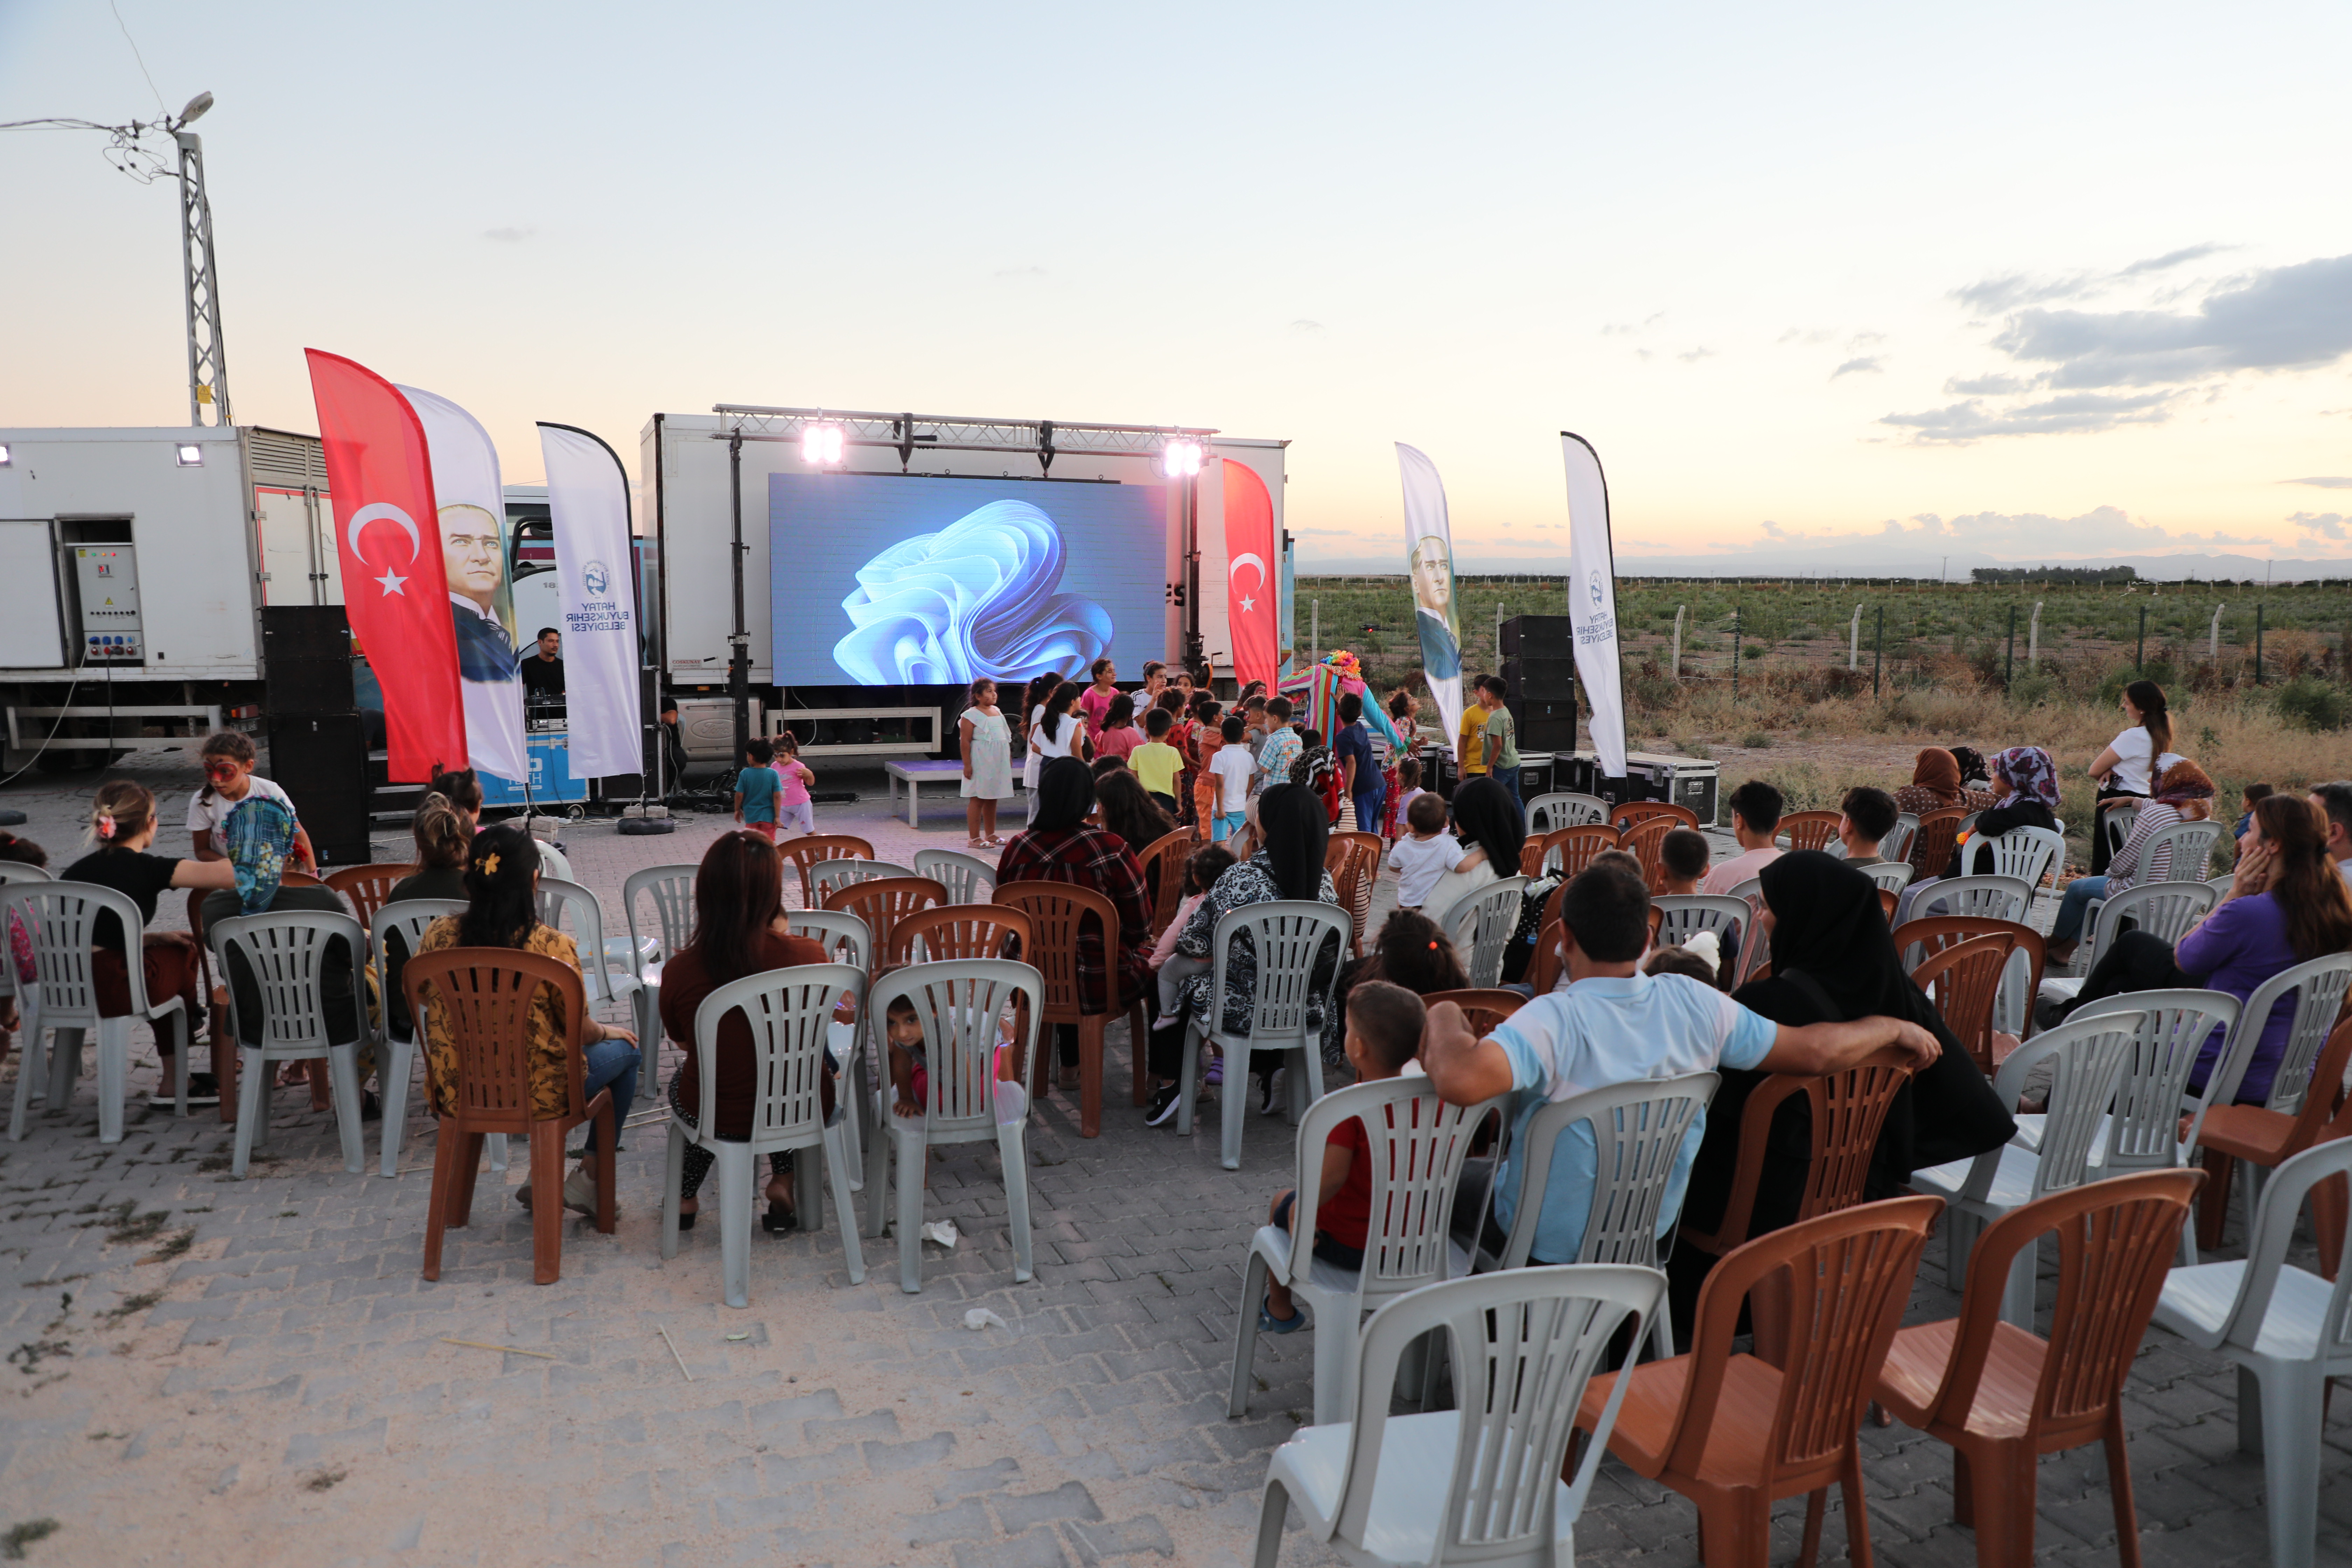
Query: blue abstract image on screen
x: 886, y: 580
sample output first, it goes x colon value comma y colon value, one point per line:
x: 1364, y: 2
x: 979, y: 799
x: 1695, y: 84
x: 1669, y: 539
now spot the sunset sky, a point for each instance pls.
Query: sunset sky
x: 2040, y: 281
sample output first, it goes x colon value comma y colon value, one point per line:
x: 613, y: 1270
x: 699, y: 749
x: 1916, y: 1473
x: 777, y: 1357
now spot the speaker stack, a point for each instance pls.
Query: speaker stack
x: 1539, y: 683
x: 318, y: 743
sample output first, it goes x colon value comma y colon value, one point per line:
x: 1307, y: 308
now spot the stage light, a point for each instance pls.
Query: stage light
x: 190, y: 456
x: 822, y: 444
x: 1180, y: 459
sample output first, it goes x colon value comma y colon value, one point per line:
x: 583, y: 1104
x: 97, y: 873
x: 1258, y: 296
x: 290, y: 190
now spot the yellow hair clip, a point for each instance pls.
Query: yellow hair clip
x: 490, y: 865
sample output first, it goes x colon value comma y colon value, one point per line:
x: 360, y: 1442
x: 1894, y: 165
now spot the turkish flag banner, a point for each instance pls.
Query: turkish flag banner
x: 1253, y: 596
x: 387, y: 536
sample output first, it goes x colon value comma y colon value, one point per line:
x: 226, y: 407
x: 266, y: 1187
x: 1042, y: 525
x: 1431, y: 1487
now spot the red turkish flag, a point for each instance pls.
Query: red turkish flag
x: 388, y: 536
x: 1253, y: 589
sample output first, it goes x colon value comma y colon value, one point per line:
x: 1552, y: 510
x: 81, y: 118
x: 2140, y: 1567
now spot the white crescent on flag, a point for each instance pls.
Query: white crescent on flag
x: 383, y: 509
x: 1242, y: 561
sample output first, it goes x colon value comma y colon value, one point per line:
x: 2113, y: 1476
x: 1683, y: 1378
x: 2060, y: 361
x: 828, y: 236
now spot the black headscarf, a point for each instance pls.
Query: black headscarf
x: 1290, y: 818
x: 1485, y: 814
x: 1830, y: 927
x: 1065, y: 793
x: 1973, y: 769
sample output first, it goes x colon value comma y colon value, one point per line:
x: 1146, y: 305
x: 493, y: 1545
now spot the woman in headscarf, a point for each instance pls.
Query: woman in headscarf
x: 1833, y: 958
x: 1972, y: 766
x: 1287, y: 865
x: 1061, y: 846
x: 2184, y: 793
x: 1935, y: 786
x: 2025, y: 794
x: 1493, y: 828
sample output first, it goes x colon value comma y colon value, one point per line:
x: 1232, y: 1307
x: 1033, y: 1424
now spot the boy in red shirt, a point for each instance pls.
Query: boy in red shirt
x: 1384, y: 1023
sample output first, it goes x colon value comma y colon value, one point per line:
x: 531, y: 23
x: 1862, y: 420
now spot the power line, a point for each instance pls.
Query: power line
x: 135, y: 55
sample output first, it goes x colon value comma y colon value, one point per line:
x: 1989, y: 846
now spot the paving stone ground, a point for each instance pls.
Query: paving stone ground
x: 207, y: 1370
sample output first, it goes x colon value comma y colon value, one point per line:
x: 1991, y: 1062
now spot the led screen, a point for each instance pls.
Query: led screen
x: 886, y: 580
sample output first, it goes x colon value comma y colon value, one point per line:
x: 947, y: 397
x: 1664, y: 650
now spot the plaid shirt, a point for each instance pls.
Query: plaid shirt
x: 1097, y: 859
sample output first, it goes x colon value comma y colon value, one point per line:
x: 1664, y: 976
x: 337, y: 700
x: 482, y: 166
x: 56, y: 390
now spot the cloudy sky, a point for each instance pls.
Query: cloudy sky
x: 2034, y: 280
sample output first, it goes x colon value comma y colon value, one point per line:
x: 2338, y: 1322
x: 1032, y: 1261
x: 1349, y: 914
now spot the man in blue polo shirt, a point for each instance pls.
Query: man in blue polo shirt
x: 1614, y: 1025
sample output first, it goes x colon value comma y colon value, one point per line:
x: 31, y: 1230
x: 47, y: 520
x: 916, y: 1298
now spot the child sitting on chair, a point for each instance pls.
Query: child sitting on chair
x: 910, y: 1075
x: 1384, y: 1023
x: 1684, y: 854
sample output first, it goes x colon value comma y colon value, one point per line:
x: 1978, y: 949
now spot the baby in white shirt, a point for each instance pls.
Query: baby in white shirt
x: 1427, y: 854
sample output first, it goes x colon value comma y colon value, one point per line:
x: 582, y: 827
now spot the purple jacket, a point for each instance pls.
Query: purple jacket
x: 2241, y: 944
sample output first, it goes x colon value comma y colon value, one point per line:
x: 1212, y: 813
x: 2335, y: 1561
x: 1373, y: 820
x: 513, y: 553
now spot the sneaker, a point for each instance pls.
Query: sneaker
x: 1163, y: 1105
x: 580, y: 1193
x: 1267, y: 1323
x: 1266, y: 1103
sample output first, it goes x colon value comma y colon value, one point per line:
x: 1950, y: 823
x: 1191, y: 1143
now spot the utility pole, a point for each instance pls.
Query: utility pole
x: 739, y: 641
x: 207, y: 360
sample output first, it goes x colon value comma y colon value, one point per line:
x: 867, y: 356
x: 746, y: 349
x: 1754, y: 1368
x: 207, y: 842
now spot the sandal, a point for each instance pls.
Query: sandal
x: 778, y: 1217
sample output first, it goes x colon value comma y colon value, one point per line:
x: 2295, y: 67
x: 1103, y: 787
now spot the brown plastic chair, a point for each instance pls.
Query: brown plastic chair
x: 1164, y: 860
x: 2002, y: 1397
x: 1634, y: 813
x: 957, y: 931
x: 2269, y: 1137
x: 1543, y: 970
x: 1482, y: 1009
x: 802, y: 853
x: 1577, y: 847
x: 1057, y: 911
x: 1887, y: 900
x: 1531, y: 857
x: 367, y: 887
x: 1354, y: 861
x: 1735, y: 1433
x: 1645, y: 842
x: 1931, y: 846
x: 1963, y: 981
x: 485, y: 994
x: 1848, y: 1108
x: 1810, y: 830
x: 882, y: 903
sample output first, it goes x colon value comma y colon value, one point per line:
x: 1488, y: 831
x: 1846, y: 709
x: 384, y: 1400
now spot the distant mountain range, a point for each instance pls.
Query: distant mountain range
x: 1859, y: 560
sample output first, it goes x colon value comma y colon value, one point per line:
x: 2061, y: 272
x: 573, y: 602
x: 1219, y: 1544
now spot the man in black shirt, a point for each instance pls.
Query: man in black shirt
x: 541, y: 670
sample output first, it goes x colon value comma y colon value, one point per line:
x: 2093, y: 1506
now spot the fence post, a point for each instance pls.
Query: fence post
x: 2258, y: 644
x: 1677, y: 667
x: 2033, y: 639
x: 1736, y: 651
x: 1314, y: 630
x: 2009, y: 668
x: 2213, y: 637
x: 1854, y: 642
x: 2139, y: 659
x: 1878, y: 650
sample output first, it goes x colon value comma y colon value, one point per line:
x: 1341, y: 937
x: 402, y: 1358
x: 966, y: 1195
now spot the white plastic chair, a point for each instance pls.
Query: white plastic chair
x: 1479, y: 1484
x: 288, y: 956
x: 63, y: 998
x: 1417, y: 1145
x: 790, y: 1012
x: 846, y: 939
x: 557, y: 898
x: 671, y: 890
x: 2163, y: 909
x: 1682, y: 916
x: 1631, y: 1133
x: 1896, y: 845
x: 960, y: 1002
x: 2288, y: 1331
x: 828, y: 875
x: 1564, y: 808
x: 395, y: 1054
x: 1288, y: 937
x: 2116, y: 817
x: 1892, y: 875
x: 1481, y: 925
x: 2223, y: 884
x: 2087, y: 1057
x: 2179, y: 853
x: 2027, y: 854
x: 2319, y: 986
x: 968, y: 878
x: 1988, y: 898
x: 15, y: 872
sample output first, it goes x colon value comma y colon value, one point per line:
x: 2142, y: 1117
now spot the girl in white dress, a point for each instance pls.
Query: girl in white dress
x: 987, y: 742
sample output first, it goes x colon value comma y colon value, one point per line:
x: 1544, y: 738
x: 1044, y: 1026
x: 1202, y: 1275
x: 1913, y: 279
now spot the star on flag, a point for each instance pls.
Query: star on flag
x: 391, y: 581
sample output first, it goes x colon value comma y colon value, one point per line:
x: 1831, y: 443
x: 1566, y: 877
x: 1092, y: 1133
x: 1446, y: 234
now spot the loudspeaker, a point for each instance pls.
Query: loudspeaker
x: 321, y: 762
x: 1542, y: 636
x: 1544, y: 678
x: 305, y: 631
x: 307, y: 687
x: 1551, y: 733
